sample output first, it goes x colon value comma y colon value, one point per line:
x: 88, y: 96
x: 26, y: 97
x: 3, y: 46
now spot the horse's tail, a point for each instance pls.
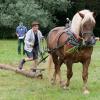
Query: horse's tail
x: 50, y: 65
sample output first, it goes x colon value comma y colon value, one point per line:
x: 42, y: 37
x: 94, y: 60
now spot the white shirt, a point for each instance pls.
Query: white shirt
x: 30, y: 39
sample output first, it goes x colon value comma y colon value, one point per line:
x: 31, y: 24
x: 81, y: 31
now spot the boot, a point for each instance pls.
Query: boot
x: 21, y: 64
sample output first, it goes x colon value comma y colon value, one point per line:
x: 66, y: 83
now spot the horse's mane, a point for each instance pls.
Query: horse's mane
x: 77, y: 19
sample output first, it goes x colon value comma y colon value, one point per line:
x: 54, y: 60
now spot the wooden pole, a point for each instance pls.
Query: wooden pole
x: 22, y: 72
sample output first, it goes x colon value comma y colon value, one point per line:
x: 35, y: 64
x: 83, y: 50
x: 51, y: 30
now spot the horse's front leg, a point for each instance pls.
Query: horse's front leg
x: 69, y: 75
x: 85, y: 75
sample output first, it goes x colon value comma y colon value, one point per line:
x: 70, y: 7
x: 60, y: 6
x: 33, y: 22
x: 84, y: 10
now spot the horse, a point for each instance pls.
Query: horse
x: 60, y: 41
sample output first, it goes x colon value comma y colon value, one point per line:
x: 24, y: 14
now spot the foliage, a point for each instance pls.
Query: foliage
x: 46, y: 12
x: 25, y: 10
x: 57, y: 9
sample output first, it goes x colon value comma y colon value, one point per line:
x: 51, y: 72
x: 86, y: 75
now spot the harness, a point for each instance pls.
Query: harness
x: 71, y: 40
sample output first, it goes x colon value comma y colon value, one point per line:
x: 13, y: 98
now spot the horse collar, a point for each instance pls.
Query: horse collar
x: 73, y: 39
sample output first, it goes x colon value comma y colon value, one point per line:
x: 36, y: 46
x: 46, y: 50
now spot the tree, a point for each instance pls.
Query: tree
x: 24, y: 10
x: 14, y: 11
x: 57, y: 9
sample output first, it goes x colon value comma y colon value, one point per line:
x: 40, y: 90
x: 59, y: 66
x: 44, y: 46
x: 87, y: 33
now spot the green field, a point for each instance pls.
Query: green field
x: 17, y: 87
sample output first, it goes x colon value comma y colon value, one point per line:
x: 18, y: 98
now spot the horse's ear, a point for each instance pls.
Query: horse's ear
x: 94, y: 14
x: 81, y: 15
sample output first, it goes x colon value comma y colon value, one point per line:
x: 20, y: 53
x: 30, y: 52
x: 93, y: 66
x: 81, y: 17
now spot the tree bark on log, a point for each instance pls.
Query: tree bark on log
x: 22, y: 72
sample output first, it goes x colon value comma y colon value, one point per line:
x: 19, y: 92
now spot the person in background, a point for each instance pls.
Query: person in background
x: 68, y: 23
x: 20, y: 32
x: 32, y: 46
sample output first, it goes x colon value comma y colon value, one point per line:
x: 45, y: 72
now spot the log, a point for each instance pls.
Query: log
x: 22, y: 72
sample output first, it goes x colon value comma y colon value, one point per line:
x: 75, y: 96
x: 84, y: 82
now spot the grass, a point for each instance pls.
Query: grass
x: 17, y: 87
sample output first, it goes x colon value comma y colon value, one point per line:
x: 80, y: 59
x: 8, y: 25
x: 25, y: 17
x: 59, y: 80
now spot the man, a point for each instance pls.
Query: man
x: 20, y: 32
x: 68, y: 24
x: 32, y: 45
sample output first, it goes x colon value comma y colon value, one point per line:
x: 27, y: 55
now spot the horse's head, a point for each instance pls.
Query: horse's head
x: 87, y: 25
x: 83, y: 24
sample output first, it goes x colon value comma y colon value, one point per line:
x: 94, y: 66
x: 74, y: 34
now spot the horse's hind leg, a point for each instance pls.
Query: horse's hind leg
x: 69, y: 75
x: 85, y: 75
x: 50, y: 66
x: 57, y: 73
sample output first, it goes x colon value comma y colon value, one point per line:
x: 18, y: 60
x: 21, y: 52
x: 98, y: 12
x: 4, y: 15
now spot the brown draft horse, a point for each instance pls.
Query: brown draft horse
x: 82, y: 26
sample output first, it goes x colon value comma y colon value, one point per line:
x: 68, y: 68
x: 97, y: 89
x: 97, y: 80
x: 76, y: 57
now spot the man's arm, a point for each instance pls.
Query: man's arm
x: 17, y: 32
x: 97, y: 38
x: 25, y: 31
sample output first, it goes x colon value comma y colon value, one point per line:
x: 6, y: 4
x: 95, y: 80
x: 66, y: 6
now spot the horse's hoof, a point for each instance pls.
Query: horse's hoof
x: 65, y: 87
x: 52, y: 82
x: 86, y: 92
